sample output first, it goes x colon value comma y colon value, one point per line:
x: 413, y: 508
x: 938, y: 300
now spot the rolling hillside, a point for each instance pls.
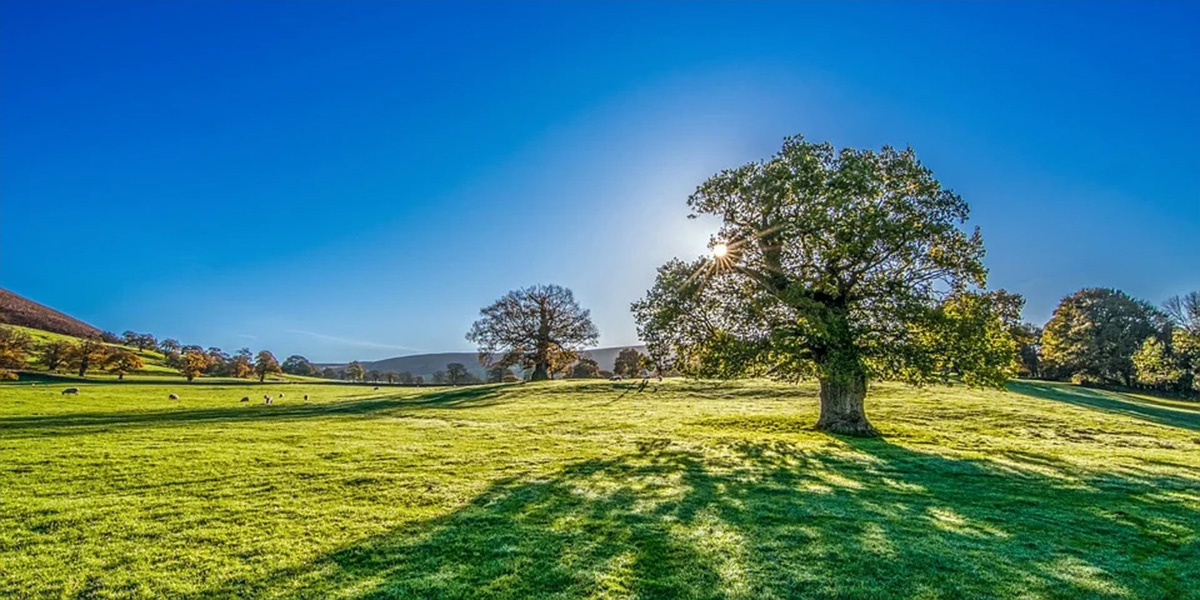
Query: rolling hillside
x: 16, y: 309
x: 425, y: 364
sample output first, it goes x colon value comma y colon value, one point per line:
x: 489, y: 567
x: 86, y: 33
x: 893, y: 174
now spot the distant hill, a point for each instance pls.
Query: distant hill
x: 425, y: 364
x: 19, y: 310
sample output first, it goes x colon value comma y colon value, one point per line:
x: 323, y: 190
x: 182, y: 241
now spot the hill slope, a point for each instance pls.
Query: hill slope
x: 16, y: 309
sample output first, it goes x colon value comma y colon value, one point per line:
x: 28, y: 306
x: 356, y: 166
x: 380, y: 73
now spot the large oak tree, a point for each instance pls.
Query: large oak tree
x: 540, y: 327
x: 843, y: 265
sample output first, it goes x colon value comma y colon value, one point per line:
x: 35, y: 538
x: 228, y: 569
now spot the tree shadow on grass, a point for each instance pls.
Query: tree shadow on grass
x: 92, y: 422
x: 1109, y: 402
x: 770, y: 520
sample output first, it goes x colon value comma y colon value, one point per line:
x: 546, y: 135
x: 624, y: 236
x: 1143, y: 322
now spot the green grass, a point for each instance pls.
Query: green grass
x: 593, y: 490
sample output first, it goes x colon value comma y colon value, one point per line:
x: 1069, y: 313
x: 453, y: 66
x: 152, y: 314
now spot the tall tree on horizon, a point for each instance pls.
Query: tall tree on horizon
x: 844, y: 266
x: 1094, y: 334
x: 265, y: 364
x: 535, y: 327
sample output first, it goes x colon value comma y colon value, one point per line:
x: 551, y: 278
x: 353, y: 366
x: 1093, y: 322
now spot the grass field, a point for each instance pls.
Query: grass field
x: 591, y: 489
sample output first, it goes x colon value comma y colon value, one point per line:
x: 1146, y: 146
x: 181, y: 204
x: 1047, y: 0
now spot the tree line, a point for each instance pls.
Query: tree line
x: 125, y: 354
x: 1106, y: 337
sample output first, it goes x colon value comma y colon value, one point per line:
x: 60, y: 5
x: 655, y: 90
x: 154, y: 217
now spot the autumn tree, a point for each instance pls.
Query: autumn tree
x: 538, y: 327
x: 193, y: 363
x: 241, y: 364
x: 265, y: 364
x: 54, y: 354
x: 1094, y: 334
x: 355, y: 372
x: 14, y: 348
x: 457, y: 374
x: 122, y: 361
x: 845, y: 266
x: 85, y: 354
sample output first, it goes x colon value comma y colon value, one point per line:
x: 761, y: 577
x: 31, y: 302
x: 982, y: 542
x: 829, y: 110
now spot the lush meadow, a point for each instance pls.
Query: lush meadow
x: 594, y: 489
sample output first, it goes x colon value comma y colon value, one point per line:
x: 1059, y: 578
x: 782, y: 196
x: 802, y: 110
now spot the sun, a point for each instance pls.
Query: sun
x: 720, y: 250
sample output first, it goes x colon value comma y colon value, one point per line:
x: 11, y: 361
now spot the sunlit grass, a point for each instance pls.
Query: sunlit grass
x: 590, y: 489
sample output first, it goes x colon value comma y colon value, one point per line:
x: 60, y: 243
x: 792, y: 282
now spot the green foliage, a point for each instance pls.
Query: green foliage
x: 568, y: 489
x: 355, y: 372
x: 630, y: 362
x: 1094, y: 333
x: 838, y: 266
x: 1155, y: 366
x: 586, y: 368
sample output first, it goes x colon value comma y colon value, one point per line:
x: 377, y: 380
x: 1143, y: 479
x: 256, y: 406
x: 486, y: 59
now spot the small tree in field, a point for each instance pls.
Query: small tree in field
x: 193, y: 364
x: 55, y: 354
x: 629, y: 363
x: 541, y: 327
x: 85, y: 354
x: 586, y: 368
x: 456, y: 373
x: 122, y: 361
x: 265, y: 364
x: 844, y: 266
x: 355, y: 371
x: 14, y: 348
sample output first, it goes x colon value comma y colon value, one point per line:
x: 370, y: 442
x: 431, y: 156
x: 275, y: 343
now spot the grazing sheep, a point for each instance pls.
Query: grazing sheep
x: 616, y: 378
x: 245, y: 398
x: 70, y: 391
x: 376, y: 387
x: 306, y: 397
x: 173, y: 396
x: 280, y: 394
x: 268, y: 399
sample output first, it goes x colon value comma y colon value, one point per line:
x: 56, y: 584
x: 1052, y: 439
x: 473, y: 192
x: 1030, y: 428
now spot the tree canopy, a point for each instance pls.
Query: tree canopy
x: 1094, y: 334
x: 541, y: 327
x: 841, y: 265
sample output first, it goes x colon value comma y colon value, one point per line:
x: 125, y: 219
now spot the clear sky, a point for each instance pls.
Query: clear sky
x: 356, y: 179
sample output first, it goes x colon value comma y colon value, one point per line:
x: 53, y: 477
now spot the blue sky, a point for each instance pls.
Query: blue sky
x: 356, y: 179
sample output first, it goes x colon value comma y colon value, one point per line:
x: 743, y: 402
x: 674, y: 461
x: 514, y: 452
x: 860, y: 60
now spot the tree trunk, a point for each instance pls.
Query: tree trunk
x: 540, y: 372
x: 842, y: 407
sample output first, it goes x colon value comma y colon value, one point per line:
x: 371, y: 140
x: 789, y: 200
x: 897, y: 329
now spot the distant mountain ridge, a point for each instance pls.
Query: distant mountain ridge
x: 425, y: 364
x: 16, y: 309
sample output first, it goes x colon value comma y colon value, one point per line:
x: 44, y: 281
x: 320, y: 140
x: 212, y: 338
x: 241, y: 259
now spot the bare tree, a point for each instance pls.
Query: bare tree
x: 530, y: 327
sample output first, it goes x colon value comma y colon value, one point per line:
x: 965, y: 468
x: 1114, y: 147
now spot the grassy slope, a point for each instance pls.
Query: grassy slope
x: 155, y: 367
x: 586, y: 489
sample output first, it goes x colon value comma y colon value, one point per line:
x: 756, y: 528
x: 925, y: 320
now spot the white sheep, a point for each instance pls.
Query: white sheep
x: 173, y: 396
x: 268, y: 399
